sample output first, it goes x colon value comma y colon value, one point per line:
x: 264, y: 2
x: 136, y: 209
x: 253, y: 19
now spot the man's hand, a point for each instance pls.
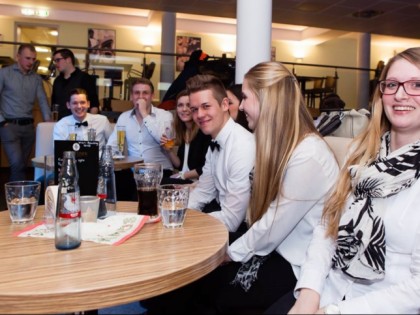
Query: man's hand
x: 142, y: 107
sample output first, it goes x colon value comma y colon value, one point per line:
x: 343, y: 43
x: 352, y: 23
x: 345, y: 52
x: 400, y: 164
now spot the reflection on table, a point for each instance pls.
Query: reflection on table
x: 37, y: 278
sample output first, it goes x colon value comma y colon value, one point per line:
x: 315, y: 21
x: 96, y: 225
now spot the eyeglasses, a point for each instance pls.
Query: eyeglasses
x: 57, y: 60
x: 390, y: 87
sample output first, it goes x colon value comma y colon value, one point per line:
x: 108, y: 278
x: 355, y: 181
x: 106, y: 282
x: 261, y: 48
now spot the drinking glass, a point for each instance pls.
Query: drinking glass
x: 56, y: 107
x: 148, y: 177
x: 170, y: 134
x: 72, y: 132
x: 120, y: 139
x: 172, y: 204
x: 22, y: 200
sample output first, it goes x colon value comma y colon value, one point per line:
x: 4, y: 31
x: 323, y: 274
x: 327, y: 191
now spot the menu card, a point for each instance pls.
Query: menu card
x: 87, y: 161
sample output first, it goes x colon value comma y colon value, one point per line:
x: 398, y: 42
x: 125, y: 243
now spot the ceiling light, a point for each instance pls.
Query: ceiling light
x: 53, y: 33
x: 35, y: 12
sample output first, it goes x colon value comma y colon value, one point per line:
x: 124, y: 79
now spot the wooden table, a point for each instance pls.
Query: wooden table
x: 37, y: 278
x: 122, y: 164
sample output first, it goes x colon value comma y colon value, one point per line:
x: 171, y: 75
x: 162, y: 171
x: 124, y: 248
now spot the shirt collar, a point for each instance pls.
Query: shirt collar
x: 153, y: 111
x: 223, y: 135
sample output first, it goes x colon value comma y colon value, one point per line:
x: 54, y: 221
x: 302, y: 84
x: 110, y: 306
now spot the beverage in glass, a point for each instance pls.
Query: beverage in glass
x: 172, y: 204
x: 147, y: 177
x: 22, y: 200
x: 170, y: 135
x: 121, y: 139
x: 55, y: 112
x: 72, y: 132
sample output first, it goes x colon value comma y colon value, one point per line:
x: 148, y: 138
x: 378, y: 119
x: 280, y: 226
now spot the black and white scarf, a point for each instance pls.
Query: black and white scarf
x: 361, y: 246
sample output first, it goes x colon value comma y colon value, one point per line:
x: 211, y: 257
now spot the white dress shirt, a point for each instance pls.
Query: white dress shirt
x: 226, y: 175
x: 98, y: 122
x: 143, y: 140
x: 288, y: 224
x: 399, y: 291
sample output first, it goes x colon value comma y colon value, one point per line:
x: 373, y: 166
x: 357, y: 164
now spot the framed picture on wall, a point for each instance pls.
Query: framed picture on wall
x: 185, y: 45
x: 101, y: 43
x: 273, y: 53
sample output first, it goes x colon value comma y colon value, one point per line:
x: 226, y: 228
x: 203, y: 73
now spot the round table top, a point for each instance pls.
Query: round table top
x: 37, y: 278
x: 119, y: 164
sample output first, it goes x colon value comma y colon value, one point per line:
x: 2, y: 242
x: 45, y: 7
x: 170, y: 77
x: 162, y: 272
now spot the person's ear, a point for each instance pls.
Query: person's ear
x: 68, y: 105
x: 225, y: 104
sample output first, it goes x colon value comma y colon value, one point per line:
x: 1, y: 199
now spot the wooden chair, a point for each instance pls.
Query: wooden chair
x: 314, y: 93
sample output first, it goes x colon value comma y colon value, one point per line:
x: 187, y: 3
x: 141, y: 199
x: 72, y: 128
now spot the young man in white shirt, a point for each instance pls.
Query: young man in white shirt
x: 79, y: 105
x: 230, y: 157
x: 144, y: 125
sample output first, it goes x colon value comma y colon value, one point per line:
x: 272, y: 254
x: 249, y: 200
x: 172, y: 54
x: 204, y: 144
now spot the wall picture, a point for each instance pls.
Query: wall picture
x: 101, y: 42
x: 185, y: 45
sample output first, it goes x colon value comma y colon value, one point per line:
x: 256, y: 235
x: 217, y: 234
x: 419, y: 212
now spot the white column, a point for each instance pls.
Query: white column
x: 363, y: 61
x: 167, y: 63
x: 253, y: 40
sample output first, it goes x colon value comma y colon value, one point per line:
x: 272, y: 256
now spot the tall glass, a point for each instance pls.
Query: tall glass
x: 170, y: 135
x: 148, y: 177
x: 120, y: 139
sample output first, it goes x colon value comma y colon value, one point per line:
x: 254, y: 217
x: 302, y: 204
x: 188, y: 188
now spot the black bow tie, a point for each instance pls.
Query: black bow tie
x: 85, y: 123
x: 214, y: 145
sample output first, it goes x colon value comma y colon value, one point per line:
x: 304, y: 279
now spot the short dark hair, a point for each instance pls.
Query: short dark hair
x: 143, y: 81
x: 26, y: 46
x: 66, y: 53
x: 202, y: 82
x: 78, y: 91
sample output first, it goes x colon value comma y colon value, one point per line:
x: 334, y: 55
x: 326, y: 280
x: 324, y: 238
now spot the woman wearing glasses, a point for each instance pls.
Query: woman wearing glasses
x: 365, y: 256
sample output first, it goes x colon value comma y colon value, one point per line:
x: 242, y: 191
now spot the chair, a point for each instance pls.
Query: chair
x: 315, y: 92
x: 44, y: 143
x: 340, y: 147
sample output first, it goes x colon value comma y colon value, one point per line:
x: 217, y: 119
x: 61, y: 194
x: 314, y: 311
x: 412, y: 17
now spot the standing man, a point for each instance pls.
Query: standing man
x: 230, y: 157
x: 70, y: 78
x: 78, y: 104
x: 20, y: 86
x: 144, y: 127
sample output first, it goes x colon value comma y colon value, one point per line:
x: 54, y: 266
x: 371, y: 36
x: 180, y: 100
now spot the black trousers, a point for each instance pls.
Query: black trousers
x: 214, y: 294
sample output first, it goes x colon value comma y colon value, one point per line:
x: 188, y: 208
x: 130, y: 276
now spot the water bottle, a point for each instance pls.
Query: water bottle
x: 106, y: 190
x: 67, y: 222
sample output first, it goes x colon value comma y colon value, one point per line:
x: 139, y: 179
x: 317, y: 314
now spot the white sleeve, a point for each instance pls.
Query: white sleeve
x: 60, y: 131
x: 205, y: 190
x: 299, y: 195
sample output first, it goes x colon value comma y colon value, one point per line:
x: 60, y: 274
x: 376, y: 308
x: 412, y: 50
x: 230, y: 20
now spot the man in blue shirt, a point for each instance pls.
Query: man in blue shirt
x: 20, y: 86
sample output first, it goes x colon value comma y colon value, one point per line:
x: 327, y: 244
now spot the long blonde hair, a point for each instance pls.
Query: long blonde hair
x: 366, y: 146
x: 283, y: 122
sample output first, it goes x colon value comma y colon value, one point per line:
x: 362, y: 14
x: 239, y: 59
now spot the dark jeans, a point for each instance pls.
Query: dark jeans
x: 17, y: 141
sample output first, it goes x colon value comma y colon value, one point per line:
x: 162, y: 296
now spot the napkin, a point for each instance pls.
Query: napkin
x: 113, y: 230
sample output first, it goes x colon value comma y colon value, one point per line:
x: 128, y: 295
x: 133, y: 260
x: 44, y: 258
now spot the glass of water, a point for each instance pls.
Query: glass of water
x: 22, y: 200
x: 172, y: 204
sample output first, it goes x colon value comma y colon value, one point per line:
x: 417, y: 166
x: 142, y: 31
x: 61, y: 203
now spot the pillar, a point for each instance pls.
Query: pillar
x: 253, y: 29
x: 363, y: 78
x: 167, y: 63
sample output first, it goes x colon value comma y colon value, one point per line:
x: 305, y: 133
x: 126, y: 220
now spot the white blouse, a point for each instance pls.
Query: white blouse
x: 399, y: 291
x: 288, y: 224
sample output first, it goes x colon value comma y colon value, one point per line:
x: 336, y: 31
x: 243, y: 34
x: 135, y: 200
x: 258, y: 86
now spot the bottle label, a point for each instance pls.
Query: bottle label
x: 71, y: 206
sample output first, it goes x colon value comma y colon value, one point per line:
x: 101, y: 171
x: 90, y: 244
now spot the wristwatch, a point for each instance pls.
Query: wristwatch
x: 331, y: 309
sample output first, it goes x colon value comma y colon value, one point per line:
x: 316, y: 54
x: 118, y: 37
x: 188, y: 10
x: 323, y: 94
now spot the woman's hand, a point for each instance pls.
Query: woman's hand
x: 163, y: 140
x: 307, y: 303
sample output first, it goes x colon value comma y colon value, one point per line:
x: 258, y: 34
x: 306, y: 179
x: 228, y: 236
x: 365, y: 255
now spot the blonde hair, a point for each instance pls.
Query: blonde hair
x: 283, y: 122
x: 181, y: 128
x: 366, y: 146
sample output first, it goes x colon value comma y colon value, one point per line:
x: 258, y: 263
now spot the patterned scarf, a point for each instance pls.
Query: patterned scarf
x: 361, y: 246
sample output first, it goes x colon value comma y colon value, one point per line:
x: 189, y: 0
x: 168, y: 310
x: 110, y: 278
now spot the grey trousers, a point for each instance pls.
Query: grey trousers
x: 17, y: 142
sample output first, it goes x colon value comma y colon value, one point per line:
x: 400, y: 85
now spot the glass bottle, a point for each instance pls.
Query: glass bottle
x: 106, y: 190
x: 67, y: 222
